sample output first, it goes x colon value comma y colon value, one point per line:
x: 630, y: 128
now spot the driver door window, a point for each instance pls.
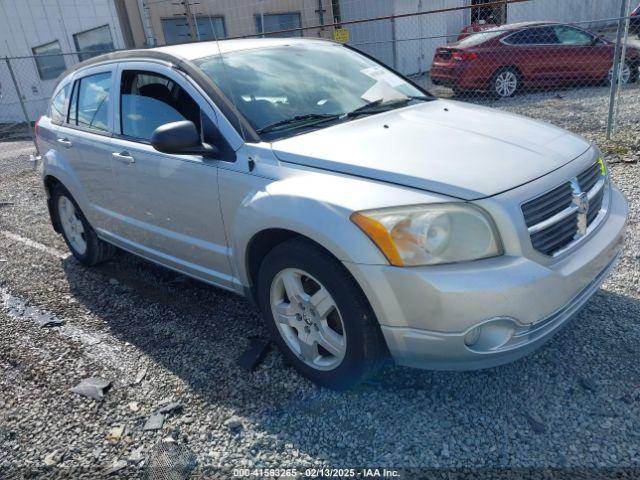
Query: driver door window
x: 573, y: 36
x: 582, y: 56
x: 148, y: 100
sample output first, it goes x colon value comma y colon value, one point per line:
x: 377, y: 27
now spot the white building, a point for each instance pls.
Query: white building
x: 55, y: 30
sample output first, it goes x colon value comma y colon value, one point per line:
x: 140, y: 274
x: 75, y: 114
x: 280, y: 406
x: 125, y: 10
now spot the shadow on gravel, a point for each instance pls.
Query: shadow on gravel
x: 573, y: 403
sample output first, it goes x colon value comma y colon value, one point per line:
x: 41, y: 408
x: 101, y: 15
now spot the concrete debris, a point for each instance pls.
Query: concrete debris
x: 154, y: 422
x: 170, y: 407
x: 94, y: 387
x: 53, y: 458
x: 116, y: 433
x: 116, y: 466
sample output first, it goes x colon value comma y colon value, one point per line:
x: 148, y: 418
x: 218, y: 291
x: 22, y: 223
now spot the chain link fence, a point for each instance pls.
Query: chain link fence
x: 573, y: 62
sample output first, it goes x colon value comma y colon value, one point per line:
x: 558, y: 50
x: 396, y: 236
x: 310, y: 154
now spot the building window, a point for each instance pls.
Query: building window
x: 176, y: 30
x: 275, y: 22
x: 49, y: 60
x: 93, y: 42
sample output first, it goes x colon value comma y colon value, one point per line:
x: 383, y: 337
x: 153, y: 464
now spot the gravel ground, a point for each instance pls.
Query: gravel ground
x: 159, y: 338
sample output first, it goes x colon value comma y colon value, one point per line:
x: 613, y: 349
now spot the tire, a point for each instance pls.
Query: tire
x: 76, y: 230
x: 505, y: 82
x: 349, y: 319
x: 630, y: 74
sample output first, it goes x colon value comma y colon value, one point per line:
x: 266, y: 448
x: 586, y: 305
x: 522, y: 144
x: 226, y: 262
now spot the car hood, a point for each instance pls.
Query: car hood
x: 446, y: 147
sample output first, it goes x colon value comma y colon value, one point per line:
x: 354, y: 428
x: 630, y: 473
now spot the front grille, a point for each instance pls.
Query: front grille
x: 589, y: 177
x: 548, y: 205
x: 560, y: 217
x: 595, y: 205
x: 556, y: 236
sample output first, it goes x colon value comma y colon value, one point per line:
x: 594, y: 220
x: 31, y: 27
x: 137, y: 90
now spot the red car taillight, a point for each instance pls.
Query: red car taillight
x: 462, y: 56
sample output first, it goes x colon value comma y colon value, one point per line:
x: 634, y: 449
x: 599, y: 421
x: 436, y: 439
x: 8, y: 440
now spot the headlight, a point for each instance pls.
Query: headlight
x: 430, y: 234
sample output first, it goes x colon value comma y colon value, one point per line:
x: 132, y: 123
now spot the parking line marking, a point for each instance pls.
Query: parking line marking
x: 38, y: 246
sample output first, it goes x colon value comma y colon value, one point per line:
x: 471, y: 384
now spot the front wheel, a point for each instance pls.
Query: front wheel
x: 627, y: 75
x: 505, y: 82
x: 318, y: 316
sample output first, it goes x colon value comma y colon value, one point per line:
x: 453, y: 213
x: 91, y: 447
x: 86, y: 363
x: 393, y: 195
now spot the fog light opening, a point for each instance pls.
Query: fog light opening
x: 491, y: 335
x: 472, y: 337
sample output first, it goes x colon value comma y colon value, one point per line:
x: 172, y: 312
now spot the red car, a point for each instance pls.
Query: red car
x: 536, y: 54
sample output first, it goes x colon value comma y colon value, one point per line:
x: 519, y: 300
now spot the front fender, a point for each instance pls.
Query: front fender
x: 312, y: 204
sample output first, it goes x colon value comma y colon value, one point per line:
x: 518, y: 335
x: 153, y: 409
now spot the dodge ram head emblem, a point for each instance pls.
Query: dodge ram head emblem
x: 582, y: 201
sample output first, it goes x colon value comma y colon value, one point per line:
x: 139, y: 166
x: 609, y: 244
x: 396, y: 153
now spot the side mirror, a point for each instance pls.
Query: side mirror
x: 181, y: 138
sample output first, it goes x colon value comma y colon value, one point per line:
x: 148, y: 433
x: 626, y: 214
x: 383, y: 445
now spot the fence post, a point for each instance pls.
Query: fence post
x: 24, y: 108
x: 615, y: 77
x: 623, y: 56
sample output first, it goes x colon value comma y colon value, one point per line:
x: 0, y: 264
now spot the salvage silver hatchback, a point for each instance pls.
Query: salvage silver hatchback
x: 366, y: 219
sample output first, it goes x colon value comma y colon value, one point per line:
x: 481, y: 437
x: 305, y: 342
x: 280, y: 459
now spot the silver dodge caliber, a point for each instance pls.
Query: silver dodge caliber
x: 366, y: 219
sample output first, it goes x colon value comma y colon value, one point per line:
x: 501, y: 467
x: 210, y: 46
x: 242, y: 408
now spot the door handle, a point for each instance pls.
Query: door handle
x: 66, y: 142
x: 124, y: 157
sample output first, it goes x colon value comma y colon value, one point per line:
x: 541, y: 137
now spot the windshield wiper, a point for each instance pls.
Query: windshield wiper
x: 379, y: 106
x: 304, y: 121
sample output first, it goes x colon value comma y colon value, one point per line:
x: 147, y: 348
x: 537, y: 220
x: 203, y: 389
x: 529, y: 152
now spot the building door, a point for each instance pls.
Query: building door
x: 494, y: 14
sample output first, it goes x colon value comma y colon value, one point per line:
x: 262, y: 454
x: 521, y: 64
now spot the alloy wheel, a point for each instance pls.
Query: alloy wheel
x: 308, y: 319
x: 72, y: 224
x: 625, y: 74
x: 506, y: 83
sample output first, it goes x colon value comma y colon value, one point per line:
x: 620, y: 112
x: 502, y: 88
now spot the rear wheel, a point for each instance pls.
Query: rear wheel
x: 76, y: 231
x: 318, y: 316
x: 505, y: 82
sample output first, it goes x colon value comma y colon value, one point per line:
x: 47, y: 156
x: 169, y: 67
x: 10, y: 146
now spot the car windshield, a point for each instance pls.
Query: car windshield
x: 301, y: 86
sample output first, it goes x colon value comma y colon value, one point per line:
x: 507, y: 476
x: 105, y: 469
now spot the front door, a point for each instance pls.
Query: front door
x: 585, y: 58
x: 167, y: 207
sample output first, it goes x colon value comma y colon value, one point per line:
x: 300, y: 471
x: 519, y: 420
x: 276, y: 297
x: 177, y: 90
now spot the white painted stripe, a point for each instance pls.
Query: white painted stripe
x: 97, y: 346
x: 38, y: 246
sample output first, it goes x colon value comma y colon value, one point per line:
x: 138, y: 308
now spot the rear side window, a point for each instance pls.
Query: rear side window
x: 533, y: 36
x: 60, y: 105
x: 89, y: 107
x: 149, y: 100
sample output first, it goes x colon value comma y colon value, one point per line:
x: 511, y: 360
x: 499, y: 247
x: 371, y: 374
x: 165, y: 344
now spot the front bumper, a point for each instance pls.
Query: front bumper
x: 430, y: 315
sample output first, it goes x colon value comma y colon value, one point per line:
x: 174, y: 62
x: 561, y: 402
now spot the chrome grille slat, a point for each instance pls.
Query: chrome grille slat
x: 560, y: 217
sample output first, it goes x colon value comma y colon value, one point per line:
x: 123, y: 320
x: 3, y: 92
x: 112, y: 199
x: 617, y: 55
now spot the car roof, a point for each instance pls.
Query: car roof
x: 187, y: 52
x: 196, y: 50
x: 520, y: 25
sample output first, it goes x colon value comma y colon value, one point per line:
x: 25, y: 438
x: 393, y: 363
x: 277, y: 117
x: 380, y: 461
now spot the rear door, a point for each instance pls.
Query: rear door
x: 535, y: 51
x: 84, y: 140
x: 167, y: 207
